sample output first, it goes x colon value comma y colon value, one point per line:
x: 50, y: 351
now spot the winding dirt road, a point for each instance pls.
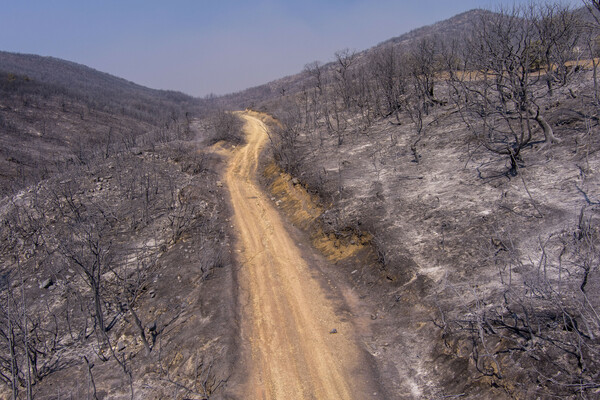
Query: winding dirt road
x: 287, y: 317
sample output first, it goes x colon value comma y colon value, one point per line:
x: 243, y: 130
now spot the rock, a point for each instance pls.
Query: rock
x: 219, y: 184
x: 47, y: 283
x: 152, y: 293
x: 295, y: 181
x: 152, y: 327
x: 120, y: 346
x: 333, y: 331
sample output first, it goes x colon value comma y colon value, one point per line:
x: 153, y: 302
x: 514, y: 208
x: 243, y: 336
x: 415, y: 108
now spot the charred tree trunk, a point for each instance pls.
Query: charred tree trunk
x: 140, y: 327
x: 546, y: 128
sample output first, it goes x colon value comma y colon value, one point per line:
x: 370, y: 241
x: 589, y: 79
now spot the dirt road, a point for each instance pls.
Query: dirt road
x: 287, y: 318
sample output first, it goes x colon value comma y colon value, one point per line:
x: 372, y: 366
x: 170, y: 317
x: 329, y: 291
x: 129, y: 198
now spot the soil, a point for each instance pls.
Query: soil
x: 298, y: 341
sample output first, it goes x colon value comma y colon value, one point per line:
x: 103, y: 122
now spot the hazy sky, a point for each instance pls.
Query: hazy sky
x: 211, y: 46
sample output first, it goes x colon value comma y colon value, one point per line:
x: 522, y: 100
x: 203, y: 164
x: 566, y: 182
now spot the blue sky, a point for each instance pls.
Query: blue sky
x: 211, y: 46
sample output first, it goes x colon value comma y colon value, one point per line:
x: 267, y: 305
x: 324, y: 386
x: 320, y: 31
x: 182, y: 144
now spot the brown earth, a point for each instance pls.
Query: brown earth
x: 299, y: 346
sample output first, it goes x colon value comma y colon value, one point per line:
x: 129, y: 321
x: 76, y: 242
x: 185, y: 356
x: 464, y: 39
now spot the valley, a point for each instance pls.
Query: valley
x: 418, y: 220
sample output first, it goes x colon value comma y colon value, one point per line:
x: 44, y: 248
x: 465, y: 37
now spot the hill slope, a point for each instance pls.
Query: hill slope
x: 114, y: 242
x: 55, y: 113
x: 482, y: 278
x: 93, y: 86
x: 272, y: 92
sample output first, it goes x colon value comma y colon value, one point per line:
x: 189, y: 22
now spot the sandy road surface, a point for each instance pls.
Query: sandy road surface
x: 286, y: 315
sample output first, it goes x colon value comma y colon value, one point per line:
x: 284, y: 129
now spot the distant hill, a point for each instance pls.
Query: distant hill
x: 456, y: 27
x: 448, y: 29
x: 54, y: 113
x: 451, y: 28
x: 98, y: 89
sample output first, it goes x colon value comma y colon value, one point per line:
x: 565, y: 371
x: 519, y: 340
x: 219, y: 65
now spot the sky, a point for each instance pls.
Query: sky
x: 203, y: 47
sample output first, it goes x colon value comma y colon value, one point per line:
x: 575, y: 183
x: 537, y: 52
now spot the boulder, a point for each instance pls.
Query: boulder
x: 46, y: 283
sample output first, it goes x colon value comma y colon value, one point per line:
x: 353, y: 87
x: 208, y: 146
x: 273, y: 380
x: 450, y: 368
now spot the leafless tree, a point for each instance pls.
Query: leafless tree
x: 365, y: 95
x: 9, y: 362
x: 593, y: 42
x: 89, y: 251
x: 315, y: 104
x: 502, y: 86
x: 593, y: 48
x: 594, y: 8
x: 315, y: 71
x: 285, y: 139
x: 336, y: 118
x: 26, y: 337
x: 181, y: 217
x: 545, y: 320
x: 424, y: 65
x: 226, y: 126
x: 558, y: 33
x: 129, y: 284
x: 91, y: 382
x: 416, y: 104
x: 390, y: 79
x: 344, y: 79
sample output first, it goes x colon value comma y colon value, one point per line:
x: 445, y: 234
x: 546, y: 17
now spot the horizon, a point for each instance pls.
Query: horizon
x: 204, y: 49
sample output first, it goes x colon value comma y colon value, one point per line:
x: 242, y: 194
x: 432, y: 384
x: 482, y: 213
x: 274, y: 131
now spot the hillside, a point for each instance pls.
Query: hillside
x: 55, y: 113
x: 109, y: 200
x: 479, y: 203
x: 274, y: 91
x: 451, y: 28
x: 96, y: 88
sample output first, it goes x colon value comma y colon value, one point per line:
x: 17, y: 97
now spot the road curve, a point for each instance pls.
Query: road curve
x: 287, y: 317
